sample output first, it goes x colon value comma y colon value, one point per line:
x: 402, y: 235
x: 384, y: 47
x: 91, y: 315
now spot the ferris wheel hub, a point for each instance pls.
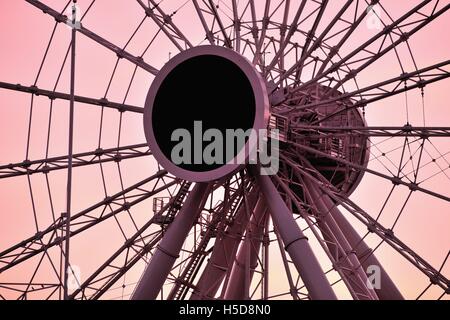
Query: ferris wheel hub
x: 202, y: 89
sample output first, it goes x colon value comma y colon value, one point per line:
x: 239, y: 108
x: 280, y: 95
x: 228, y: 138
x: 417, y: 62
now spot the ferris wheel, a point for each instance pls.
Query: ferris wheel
x: 352, y: 203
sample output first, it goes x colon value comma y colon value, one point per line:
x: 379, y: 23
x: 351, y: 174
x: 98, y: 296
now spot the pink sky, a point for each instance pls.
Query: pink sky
x: 23, y: 37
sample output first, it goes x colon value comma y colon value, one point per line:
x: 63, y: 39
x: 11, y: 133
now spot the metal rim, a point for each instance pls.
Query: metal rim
x: 261, y: 115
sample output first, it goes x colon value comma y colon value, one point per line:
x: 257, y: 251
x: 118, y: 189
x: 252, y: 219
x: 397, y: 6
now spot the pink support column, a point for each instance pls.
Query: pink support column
x: 167, y: 251
x: 223, y: 254
x: 238, y: 285
x: 388, y: 290
x: 352, y: 270
x: 295, y: 242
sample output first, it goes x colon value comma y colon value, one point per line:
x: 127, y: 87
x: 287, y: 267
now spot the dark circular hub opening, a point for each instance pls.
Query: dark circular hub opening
x: 209, y: 89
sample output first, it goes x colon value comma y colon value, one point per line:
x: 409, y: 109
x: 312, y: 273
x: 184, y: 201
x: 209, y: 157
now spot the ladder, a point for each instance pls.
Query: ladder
x: 183, y: 282
x: 165, y: 219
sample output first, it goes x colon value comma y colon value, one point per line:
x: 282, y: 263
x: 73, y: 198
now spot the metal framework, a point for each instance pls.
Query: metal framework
x: 230, y: 238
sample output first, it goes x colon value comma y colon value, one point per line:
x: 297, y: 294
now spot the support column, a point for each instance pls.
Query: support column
x: 238, y: 285
x: 388, y: 290
x: 223, y: 253
x: 167, y: 251
x: 295, y: 242
x: 68, y: 213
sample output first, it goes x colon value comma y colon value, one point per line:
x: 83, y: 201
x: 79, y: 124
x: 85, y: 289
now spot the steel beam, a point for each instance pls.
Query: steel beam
x: 337, y: 242
x: 295, y: 242
x: 388, y: 236
x: 387, y: 290
x: 165, y: 23
x: 64, y: 96
x: 403, y: 37
x: 309, y: 38
x: 224, y: 251
x: 139, y: 61
x: 285, y: 41
x: 83, y: 220
x: 389, y: 131
x: 375, y: 92
x: 237, y: 27
x: 214, y: 12
x: 167, y: 251
x: 29, y: 167
x: 133, y: 250
x: 220, y: 215
x: 68, y: 213
x: 394, y: 180
x: 388, y: 30
x: 243, y: 270
x: 257, y: 59
x: 317, y: 43
x: 209, y: 33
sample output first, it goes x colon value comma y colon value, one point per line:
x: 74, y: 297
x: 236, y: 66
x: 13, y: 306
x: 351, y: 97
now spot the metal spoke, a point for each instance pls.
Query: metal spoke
x: 52, y: 95
x: 165, y: 23
x: 278, y: 58
x: 83, y: 220
x: 139, y: 61
x: 419, y: 79
x: 404, y: 131
x: 296, y: 67
x: 137, y: 244
x: 46, y: 165
x: 386, y: 234
x: 375, y: 56
x: 394, y: 180
x: 217, y: 18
